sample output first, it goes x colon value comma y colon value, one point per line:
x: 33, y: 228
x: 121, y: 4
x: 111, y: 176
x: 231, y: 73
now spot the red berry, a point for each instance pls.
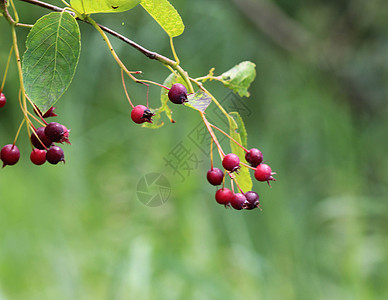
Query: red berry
x: 231, y: 162
x: 263, y: 172
x: 10, y: 155
x: 224, y: 196
x: 54, y: 155
x: 178, y: 93
x: 38, y: 157
x: 45, y: 140
x: 215, y: 176
x: 141, y: 114
x: 252, y: 200
x: 54, y: 131
x: 254, y: 157
x: 238, y: 201
x: 3, y: 100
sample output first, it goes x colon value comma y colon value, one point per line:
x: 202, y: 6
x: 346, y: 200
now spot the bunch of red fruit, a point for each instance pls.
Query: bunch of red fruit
x: 231, y: 163
x: 43, y: 140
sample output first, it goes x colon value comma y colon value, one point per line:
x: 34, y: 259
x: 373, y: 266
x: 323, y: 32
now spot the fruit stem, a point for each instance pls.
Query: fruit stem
x: 174, y: 52
x: 207, y: 124
x: 248, y: 166
x: 154, y: 83
x: 125, y: 89
x: 211, y: 154
x: 6, y: 69
x: 17, y: 133
x: 223, y: 132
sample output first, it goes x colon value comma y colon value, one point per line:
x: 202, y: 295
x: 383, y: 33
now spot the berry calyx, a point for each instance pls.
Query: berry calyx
x: 55, y: 154
x: 65, y: 136
x: 224, y: 196
x: 47, y: 114
x: 231, y: 162
x: 45, y: 140
x: 238, y: 201
x: 10, y: 155
x: 252, y: 200
x: 141, y: 114
x: 54, y: 131
x: 215, y: 176
x: 178, y: 93
x: 254, y: 157
x: 38, y: 157
x: 3, y: 100
x: 263, y: 172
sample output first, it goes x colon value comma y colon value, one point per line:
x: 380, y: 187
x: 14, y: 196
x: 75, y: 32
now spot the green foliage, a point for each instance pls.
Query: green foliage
x: 49, y: 63
x: 238, y: 132
x: 166, y: 15
x: 102, y: 6
x: 240, y: 77
x: 198, y: 101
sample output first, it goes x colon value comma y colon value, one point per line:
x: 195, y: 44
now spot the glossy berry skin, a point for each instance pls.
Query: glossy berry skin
x: 238, y: 201
x: 254, y: 157
x: 141, y: 114
x: 263, y: 172
x: 45, y: 140
x: 252, y: 200
x: 54, y: 131
x: 3, y: 100
x: 54, y: 155
x: 215, y: 176
x: 10, y: 155
x: 231, y: 162
x: 178, y: 93
x: 224, y: 196
x: 38, y: 157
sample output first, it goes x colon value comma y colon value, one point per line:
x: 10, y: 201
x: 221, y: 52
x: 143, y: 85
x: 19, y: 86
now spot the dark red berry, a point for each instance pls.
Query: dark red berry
x: 238, y: 201
x: 45, y: 140
x: 3, y: 100
x: 215, y: 176
x: 231, y: 162
x: 178, y: 93
x: 254, y: 157
x: 54, y: 155
x: 10, y: 155
x: 141, y: 114
x: 49, y: 113
x: 224, y: 196
x: 252, y: 200
x: 38, y: 157
x: 54, y: 131
x: 263, y: 172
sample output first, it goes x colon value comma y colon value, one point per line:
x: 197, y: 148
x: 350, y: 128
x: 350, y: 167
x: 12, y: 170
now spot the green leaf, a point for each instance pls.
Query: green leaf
x: 239, y: 133
x: 240, y: 128
x: 102, y: 6
x: 166, y: 15
x: 240, y: 77
x: 198, y: 101
x: 49, y: 63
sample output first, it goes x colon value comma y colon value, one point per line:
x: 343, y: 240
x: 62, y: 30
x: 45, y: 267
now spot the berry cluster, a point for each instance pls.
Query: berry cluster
x: 42, y: 139
x: 231, y: 163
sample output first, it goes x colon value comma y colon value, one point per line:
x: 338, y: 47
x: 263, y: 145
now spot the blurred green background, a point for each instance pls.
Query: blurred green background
x: 318, y: 111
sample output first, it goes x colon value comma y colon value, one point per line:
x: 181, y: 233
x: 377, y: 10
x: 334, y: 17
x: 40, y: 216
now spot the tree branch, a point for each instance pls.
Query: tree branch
x: 146, y: 52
